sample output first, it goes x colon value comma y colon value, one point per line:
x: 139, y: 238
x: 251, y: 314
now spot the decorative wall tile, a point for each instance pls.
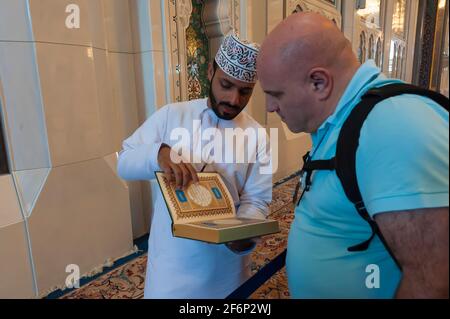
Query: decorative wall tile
x: 197, y: 50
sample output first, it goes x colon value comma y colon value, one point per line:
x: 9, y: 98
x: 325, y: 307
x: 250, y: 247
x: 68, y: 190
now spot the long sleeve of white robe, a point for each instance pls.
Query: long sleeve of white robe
x: 256, y: 195
x: 138, y: 159
x: 183, y: 268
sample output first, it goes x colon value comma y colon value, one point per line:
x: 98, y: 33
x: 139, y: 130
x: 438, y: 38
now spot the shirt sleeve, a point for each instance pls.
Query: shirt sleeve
x: 138, y: 159
x: 402, y: 160
x: 257, y: 191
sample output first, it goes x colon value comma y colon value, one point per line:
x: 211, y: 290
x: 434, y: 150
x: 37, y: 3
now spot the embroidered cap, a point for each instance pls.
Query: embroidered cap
x: 237, y: 58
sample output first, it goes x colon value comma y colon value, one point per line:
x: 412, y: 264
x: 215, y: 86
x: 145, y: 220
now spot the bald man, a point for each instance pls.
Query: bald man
x: 312, y: 79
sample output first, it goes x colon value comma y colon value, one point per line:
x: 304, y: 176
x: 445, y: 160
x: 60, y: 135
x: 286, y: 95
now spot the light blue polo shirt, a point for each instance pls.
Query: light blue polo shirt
x: 402, y: 163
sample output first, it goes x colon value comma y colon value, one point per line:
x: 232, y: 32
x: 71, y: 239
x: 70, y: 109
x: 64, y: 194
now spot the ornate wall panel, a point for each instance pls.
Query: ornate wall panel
x: 179, y: 17
x: 196, y: 29
x: 369, y: 27
x: 330, y: 9
x: 197, y: 53
x: 397, y: 56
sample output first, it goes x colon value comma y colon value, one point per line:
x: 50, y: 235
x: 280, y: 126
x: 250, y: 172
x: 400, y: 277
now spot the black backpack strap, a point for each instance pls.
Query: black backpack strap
x: 348, y: 142
x: 395, y: 89
x: 308, y: 167
x: 318, y: 165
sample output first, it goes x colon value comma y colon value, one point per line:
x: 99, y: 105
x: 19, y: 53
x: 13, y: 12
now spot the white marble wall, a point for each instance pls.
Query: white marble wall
x: 147, y: 26
x: 68, y: 100
x: 261, y: 18
x: 16, y: 279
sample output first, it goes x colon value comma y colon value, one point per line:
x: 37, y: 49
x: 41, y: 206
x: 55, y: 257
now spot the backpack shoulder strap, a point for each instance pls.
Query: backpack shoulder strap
x: 395, y: 89
x: 348, y: 142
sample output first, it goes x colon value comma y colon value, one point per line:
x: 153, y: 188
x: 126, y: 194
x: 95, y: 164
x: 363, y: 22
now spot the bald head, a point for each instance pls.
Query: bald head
x: 309, y: 39
x: 304, y: 66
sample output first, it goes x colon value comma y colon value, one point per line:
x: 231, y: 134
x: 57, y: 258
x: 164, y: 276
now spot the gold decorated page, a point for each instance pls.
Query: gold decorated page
x: 206, y: 200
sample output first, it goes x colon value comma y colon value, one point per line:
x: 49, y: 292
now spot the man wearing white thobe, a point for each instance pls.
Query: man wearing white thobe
x: 183, y: 268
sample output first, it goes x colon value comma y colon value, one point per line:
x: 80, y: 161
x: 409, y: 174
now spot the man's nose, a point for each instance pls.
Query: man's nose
x: 235, y: 98
x: 271, y: 106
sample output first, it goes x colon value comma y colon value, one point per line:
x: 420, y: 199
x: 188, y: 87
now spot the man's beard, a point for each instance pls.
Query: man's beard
x: 215, y: 105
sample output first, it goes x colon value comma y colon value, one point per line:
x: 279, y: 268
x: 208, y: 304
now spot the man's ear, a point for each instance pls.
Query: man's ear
x: 210, y: 71
x: 321, y: 83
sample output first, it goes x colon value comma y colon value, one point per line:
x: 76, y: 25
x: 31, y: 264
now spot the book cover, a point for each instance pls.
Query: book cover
x: 205, y: 211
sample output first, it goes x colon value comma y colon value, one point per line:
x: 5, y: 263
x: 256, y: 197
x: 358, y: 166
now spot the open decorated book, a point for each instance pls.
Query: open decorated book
x: 205, y: 211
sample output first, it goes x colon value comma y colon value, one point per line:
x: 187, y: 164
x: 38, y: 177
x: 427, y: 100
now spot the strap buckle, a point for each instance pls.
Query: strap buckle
x: 360, y: 207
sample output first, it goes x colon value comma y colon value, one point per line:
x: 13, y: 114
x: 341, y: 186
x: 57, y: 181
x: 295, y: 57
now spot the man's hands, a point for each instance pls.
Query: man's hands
x: 182, y: 173
x: 185, y: 173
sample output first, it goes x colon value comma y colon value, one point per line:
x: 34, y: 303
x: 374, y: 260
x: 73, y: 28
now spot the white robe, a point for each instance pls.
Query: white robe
x: 183, y: 268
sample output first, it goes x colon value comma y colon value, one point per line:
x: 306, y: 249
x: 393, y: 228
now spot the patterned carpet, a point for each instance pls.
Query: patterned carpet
x: 127, y: 281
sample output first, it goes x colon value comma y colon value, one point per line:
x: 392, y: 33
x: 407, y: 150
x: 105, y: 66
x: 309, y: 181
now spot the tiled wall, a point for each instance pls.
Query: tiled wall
x: 262, y: 17
x: 197, y: 51
x: 68, y: 98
